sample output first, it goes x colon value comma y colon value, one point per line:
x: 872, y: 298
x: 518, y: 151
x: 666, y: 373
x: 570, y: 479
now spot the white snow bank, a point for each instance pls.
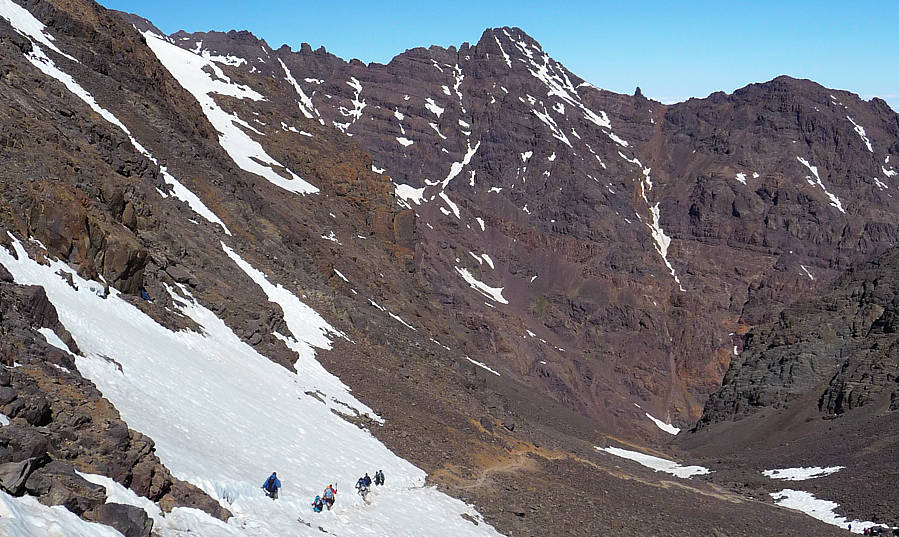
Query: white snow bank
x: 190, y: 70
x: 667, y: 427
x: 305, y: 103
x: 456, y: 167
x: 835, y: 201
x: 861, y: 132
x: 453, y: 207
x: 26, y: 517
x: 409, y: 193
x: 26, y: 24
x: 53, y: 339
x: 657, y: 463
x: 482, y: 366
x: 822, y: 510
x: 433, y: 107
x: 224, y: 417
x: 801, y: 474
x: 494, y: 293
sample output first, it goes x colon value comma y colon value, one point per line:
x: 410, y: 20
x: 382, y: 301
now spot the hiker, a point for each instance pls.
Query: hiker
x: 379, y: 478
x: 318, y: 504
x: 329, y: 496
x: 367, y: 480
x: 271, y: 486
x: 362, y: 488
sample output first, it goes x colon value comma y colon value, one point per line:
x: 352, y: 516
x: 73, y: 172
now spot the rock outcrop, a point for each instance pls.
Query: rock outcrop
x: 840, y: 347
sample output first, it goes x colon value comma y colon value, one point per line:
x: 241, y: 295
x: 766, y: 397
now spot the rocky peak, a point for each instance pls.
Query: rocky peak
x: 500, y: 150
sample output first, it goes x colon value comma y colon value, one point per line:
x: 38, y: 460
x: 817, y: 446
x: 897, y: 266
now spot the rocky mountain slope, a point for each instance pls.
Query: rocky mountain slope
x: 575, y: 231
x: 819, y: 385
x: 499, y: 260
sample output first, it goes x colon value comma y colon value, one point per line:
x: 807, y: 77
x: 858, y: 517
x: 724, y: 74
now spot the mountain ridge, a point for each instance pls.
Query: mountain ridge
x: 586, y: 317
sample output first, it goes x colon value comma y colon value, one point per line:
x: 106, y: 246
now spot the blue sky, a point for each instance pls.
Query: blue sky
x: 672, y: 50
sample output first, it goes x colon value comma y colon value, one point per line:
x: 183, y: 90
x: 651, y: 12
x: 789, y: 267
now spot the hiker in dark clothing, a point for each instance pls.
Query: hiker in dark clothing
x: 366, y: 480
x: 271, y: 486
x: 379, y: 478
x: 318, y: 504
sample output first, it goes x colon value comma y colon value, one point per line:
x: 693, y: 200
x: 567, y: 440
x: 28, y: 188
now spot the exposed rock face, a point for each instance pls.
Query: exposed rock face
x: 816, y: 387
x: 567, y: 196
x: 642, y: 239
x: 840, y: 347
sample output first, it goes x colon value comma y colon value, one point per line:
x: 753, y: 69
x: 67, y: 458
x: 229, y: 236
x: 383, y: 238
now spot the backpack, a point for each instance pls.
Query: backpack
x: 329, y: 493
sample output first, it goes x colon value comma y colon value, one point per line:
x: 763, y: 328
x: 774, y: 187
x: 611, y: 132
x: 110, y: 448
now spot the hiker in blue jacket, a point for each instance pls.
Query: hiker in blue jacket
x: 271, y: 486
x: 366, y: 480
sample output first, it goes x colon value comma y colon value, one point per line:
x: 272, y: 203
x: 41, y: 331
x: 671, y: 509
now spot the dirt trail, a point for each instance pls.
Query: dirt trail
x: 526, y: 458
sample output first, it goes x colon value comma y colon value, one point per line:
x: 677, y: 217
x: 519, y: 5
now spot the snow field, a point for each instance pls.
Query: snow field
x: 26, y: 517
x: 224, y: 417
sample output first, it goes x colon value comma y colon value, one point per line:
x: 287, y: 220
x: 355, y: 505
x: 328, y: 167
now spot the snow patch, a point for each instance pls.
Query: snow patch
x: 452, y: 206
x: 331, y: 237
x: 432, y: 106
x: 835, y: 201
x: 409, y: 193
x: 618, y: 140
x: 657, y: 463
x: 503, y: 52
x: 822, y: 510
x: 341, y: 276
x: 494, y: 293
x: 861, y: 132
x: 456, y: 167
x: 802, y: 473
x: 46, y: 65
x: 305, y: 103
x: 482, y: 365
x: 665, y: 426
x: 26, y: 24
x: 809, y: 274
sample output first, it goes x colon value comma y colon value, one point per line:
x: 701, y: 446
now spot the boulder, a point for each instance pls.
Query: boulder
x: 37, y: 411
x: 130, y: 521
x: 7, y: 394
x: 13, y: 475
x: 58, y: 484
